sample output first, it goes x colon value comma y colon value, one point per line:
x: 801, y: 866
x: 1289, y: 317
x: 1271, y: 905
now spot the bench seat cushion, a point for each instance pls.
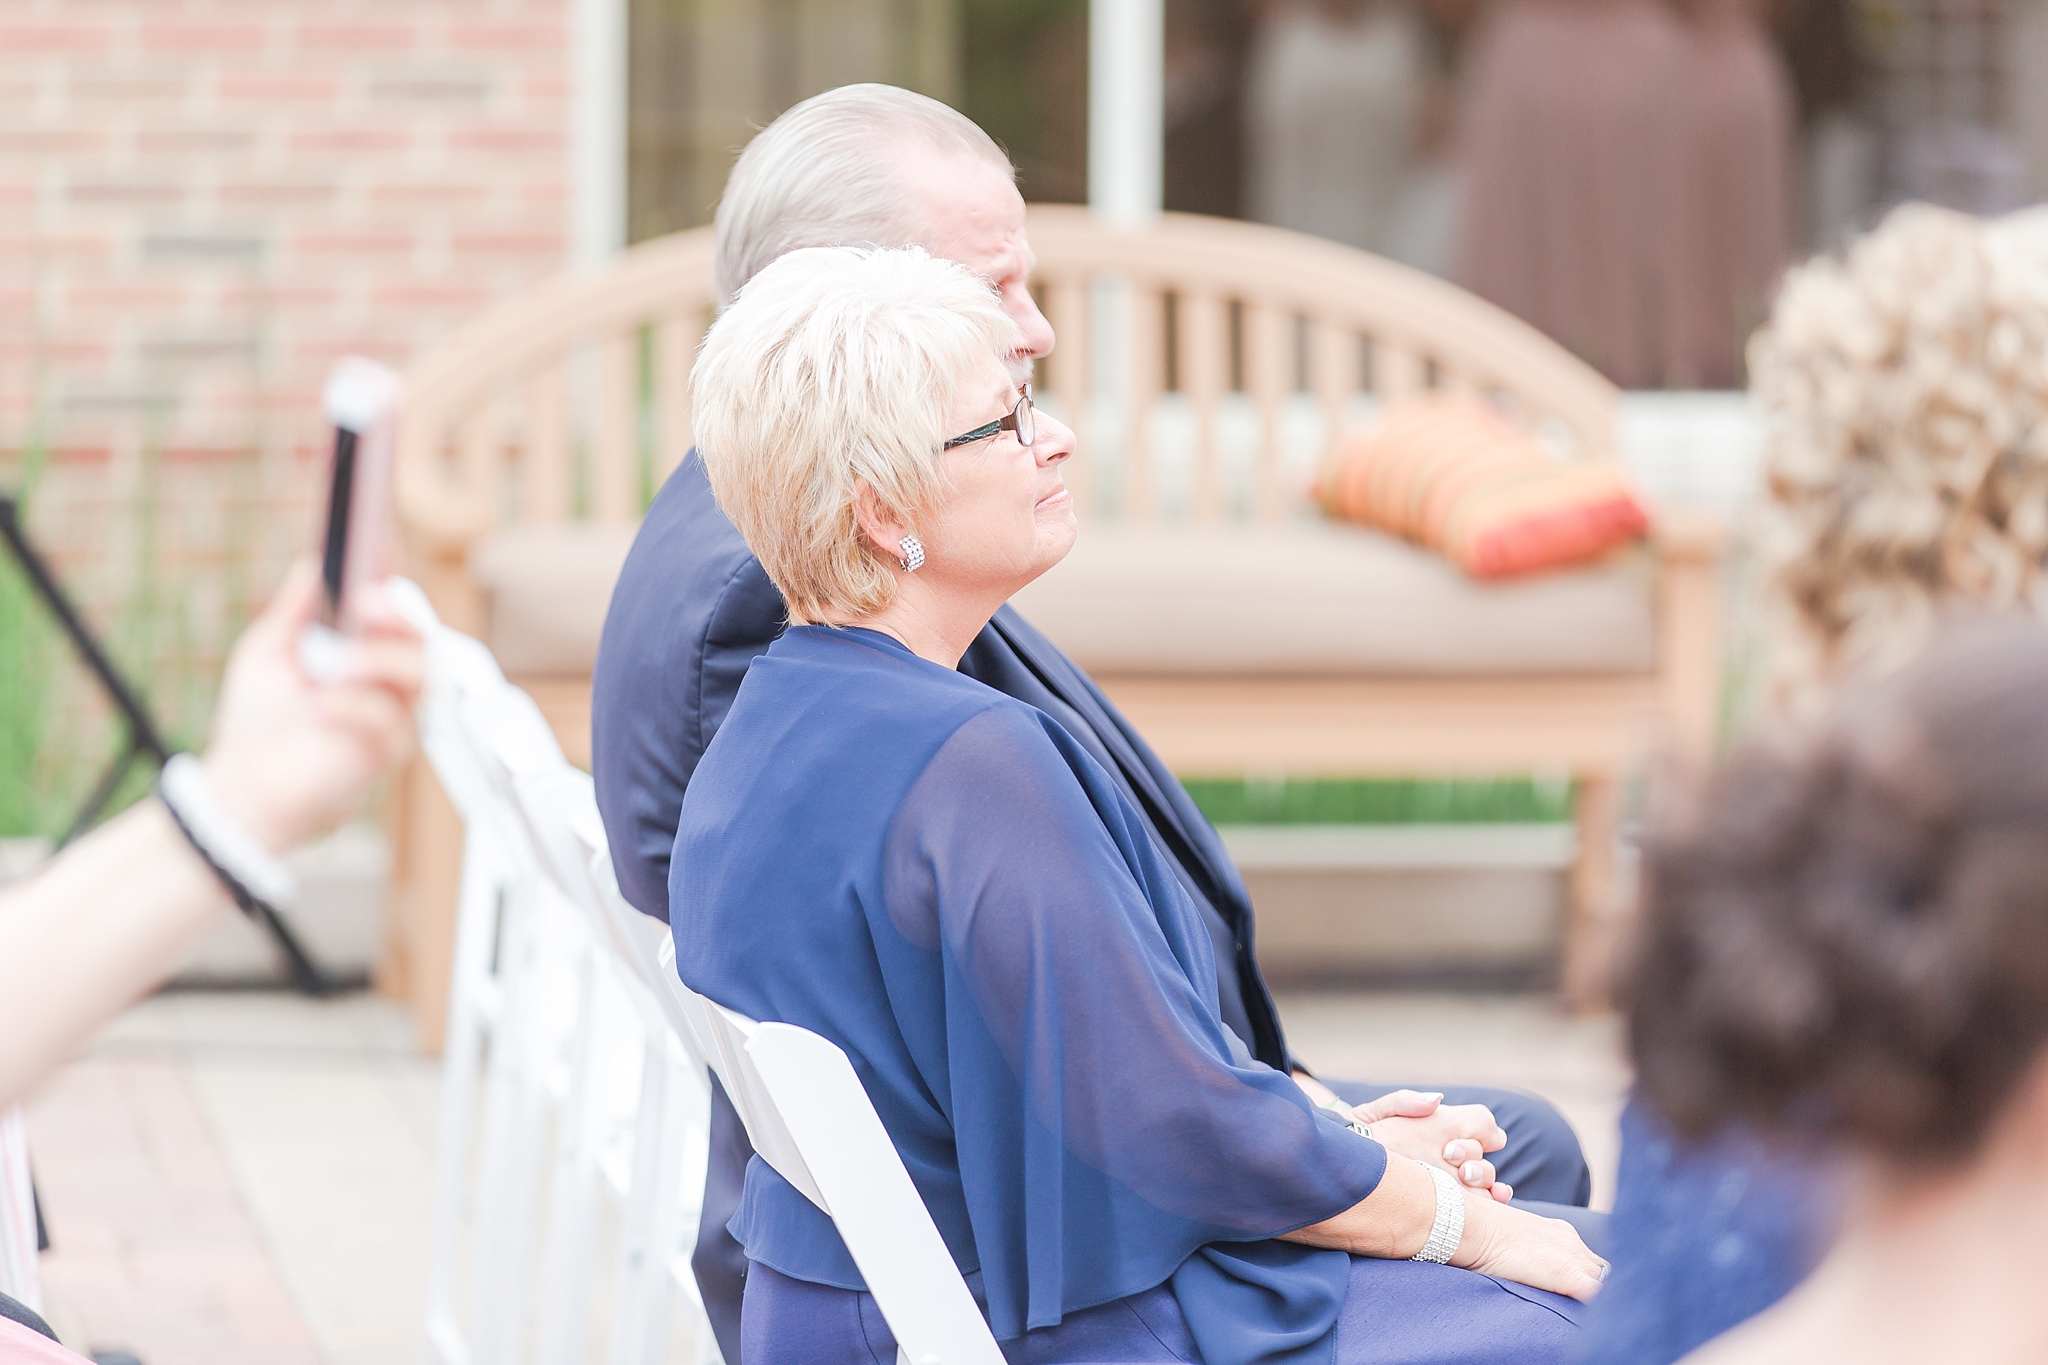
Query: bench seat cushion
x: 1313, y: 597
x: 1302, y: 598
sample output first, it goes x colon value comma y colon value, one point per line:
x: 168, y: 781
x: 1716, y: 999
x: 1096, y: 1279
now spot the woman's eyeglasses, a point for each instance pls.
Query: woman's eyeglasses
x: 1018, y: 421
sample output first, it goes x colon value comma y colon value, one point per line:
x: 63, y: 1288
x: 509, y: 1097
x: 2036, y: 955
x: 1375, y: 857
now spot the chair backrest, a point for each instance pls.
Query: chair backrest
x: 809, y: 1118
x: 476, y: 729
x: 561, y: 809
x: 669, y: 1108
x: 565, y: 1088
x: 1206, y: 361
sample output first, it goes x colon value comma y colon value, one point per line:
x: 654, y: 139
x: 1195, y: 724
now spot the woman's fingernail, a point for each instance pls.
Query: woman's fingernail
x: 1473, y: 1172
x: 1450, y: 1151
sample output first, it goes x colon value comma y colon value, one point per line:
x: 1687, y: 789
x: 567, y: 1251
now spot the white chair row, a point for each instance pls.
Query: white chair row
x: 574, y: 1117
x: 575, y: 1067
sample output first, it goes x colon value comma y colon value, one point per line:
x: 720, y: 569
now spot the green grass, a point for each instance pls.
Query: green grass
x: 1402, y: 801
x: 29, y: 646
x: 25, y: 683
x: 52, y: 747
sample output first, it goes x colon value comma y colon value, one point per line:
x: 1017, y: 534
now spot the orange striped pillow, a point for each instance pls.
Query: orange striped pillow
x: 1453, y: 475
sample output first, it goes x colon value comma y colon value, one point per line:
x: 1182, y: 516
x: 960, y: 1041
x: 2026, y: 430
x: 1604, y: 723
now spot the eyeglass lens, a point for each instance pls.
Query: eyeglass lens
x: 1027, y: 429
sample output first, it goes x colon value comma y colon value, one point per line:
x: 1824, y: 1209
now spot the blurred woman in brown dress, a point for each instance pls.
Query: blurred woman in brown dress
x: 1627, y: 171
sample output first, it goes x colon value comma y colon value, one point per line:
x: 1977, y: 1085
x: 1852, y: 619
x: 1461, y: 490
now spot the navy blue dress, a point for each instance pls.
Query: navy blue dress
x: 942, y: 880
x: 1704, y: 1238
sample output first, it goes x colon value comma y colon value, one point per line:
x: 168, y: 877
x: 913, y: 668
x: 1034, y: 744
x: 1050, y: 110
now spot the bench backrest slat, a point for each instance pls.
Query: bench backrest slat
x: 1208, y: 365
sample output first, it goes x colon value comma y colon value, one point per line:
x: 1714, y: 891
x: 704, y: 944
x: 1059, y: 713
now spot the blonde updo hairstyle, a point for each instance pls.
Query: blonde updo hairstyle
x: 1904, y: 391
x: 834, y: 368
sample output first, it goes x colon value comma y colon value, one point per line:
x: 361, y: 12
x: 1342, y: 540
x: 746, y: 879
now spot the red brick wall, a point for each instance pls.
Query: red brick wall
x: 202, y: 204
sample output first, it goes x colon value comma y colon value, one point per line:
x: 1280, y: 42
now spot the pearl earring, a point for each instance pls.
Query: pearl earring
x: 913, y: 553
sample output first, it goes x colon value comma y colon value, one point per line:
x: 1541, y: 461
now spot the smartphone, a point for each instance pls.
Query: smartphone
x: 361, y: 400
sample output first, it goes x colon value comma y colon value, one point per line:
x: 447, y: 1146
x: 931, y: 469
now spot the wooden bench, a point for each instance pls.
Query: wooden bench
x: 1207, y: 365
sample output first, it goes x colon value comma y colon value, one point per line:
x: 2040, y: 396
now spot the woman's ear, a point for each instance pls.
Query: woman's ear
x: 878, y: 525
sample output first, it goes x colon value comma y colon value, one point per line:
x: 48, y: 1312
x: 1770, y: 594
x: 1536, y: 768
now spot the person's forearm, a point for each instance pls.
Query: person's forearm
x: 1394, y: 1223
x: 96, y: 929
x: 1391, y: 1223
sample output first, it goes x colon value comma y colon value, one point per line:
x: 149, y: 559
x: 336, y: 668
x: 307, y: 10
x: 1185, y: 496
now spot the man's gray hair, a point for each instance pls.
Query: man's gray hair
x: 828, y: 173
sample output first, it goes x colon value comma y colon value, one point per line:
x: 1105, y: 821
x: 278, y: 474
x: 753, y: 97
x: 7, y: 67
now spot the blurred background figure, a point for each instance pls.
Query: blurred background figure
x: 1631, y: 177
x: 1904, y: 390
x: 1734, y: 227
x: 1846, y: 947
x: 1571, y: 204
x: 1628, y: 180
x: 1332, y: 100
x: 1347, y: 123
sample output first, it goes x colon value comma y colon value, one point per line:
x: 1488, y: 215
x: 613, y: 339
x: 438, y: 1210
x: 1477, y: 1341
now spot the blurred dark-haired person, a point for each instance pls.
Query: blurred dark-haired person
x: 1845, y: 948
x: 1905, y: 395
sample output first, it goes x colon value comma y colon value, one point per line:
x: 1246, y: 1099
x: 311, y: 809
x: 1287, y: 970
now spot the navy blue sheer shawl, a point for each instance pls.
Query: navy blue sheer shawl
x: 941, y: 880
x: 693, y: 609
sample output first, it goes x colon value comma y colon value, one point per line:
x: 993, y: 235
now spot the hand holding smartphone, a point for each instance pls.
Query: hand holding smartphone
x: 361, y: 400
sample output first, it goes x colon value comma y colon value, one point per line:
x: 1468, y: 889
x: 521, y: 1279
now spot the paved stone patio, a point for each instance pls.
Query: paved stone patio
x: 245, y: 1178
x: 240, y: 1178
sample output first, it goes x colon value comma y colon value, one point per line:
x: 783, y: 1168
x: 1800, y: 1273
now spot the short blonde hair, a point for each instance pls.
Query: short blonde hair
x: 1905, y: 395
x: 836, y: 367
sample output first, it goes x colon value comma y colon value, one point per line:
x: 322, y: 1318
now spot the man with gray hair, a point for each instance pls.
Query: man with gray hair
x: 872, y: 165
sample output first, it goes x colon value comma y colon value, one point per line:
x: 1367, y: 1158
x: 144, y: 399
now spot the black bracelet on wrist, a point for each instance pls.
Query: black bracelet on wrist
x: 250, y: 904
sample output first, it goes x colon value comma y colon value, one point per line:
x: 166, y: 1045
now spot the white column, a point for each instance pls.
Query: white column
x: 1126, y: 114
x: 597, y: 129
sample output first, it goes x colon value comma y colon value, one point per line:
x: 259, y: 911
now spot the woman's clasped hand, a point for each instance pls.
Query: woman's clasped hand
x: 1394, y: 1221
x: 1420, y: 1125
x: 1545, y: 1253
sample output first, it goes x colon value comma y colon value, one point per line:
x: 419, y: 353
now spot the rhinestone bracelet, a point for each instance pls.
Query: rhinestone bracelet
x: 1448, y: 1229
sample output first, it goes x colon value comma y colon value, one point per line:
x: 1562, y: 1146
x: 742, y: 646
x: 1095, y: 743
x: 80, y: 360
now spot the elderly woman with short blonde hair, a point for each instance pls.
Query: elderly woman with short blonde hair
x: 938, y: 878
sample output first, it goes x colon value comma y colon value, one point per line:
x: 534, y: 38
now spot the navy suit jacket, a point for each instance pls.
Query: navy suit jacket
x: 693, y: 608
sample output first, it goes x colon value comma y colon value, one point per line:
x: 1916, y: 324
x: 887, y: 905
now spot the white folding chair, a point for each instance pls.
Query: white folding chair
x: 673, y: 1110
x: 810, y: 1119
x: 564, y: 1083
x: 19, y: 1278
